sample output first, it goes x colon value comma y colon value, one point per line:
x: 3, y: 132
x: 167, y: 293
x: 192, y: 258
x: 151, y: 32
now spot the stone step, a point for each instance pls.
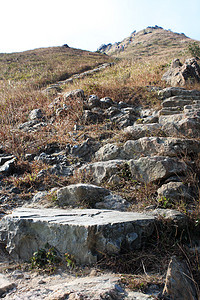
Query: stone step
x: 177, y: 91
x: 180, y: 101
x: 170, y: 111
x: 84, y: 233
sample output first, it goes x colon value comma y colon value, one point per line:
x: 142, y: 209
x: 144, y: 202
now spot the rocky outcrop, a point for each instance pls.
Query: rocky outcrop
x: 179, y: 75
x: 179, y: 281
x: 87, y: 194
x: 85, y: 234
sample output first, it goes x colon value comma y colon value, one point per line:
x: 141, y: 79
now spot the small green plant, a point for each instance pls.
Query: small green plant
x: 194, y: 49
x: 165, y: 202
x: 45, y: 257
x: 70, y: 260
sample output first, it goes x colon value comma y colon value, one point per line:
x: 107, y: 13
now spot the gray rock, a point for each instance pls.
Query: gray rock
x: 170, y: 214
x: 62, y: 170
x: 80, y: 193
x: 180, y: 101
x: 150, y: 169
x: 51, y: 159
x: 177, y: 91
x: 35, y: 114
x: 85, y: 150
x: 174, y: 191
x: 108, y: 152
x: 106, y: 102
x: 161, y: 146
x: 179, y: 283
x: 141, y: 130
x: 93, y: 287
x: 5, y: 285
x: 74, y: 95
x: 115, y: 202
x: 39, y: 196
x: 93, y: 101
x: 8, y: 166
x: 86, y: 234
x: 28, y: 125
x: 100, y: 171
x: 181, y: 125
x: 90, y: 117
x: 179, y: 75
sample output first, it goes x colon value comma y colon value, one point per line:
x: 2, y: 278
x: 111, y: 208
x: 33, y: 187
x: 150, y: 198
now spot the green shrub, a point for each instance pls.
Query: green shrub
x: 194, y: 49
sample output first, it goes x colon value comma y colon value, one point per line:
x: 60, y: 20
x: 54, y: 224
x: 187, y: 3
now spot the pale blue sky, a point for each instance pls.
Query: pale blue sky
x: 86, y: 24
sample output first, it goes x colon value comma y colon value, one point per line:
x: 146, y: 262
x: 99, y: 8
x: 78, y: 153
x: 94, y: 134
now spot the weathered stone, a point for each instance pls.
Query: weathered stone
x: 100, y: 171
x: 85, y: 150
x: 161, y: 146
x: 35, y: 114
x: 4, y: 158
x: 106, y: 102
x: 28, y: 125
x: 141, y: 130
x: 149, y: 169
x: 93, y: 101
x: 181, y: 125
x: 115, y: 202
x: 5, y: 285
x: 177, y: 91
x: 174, y: 191
x: 93, y: 288
x: 179, y: 74
x: 74, y: 95
x: 76, y: 194
x: 8, y: 166
x: 86, y: 234
x: 179, y: 281
x: 90, y: 117
x: 178, y: 218
x: 178, y: 101
x: 108, y: 152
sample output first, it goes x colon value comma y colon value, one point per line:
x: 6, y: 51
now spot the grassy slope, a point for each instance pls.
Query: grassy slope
x: 47, y: 65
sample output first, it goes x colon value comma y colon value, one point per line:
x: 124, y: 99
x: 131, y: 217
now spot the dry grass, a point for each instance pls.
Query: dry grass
x: 47, y: 65
x: 22, y: 76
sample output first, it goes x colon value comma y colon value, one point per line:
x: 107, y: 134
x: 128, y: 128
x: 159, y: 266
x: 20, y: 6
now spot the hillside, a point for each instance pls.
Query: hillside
x: 47, y: 65
x: 99, y: 172
x: 149, y: 42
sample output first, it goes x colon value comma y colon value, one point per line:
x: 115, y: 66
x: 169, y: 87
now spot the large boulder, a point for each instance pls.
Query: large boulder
x: 177, y: 91
x: 174, y: 191
x: 76, y: 194
x: 108, y: 152
x: 161, y: 146
x: 85, y: 234
x: 179, y: 75
x: 100, y: 171
x: 137, y: 131
x: 181, y: 125
x: 156, y: 168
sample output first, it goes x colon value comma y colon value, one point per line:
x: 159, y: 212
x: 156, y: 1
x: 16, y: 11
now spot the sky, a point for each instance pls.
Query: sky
x: 86, y: 24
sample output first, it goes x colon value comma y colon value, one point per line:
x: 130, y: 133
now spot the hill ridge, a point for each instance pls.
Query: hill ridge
x: 146, y: 42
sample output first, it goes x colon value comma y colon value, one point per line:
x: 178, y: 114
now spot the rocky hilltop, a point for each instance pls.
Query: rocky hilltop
x: 148, y: 42
x: 99, y: 185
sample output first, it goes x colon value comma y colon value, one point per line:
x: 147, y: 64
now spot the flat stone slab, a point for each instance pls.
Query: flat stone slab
x: 5, y: 285
x: 84, y: 233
